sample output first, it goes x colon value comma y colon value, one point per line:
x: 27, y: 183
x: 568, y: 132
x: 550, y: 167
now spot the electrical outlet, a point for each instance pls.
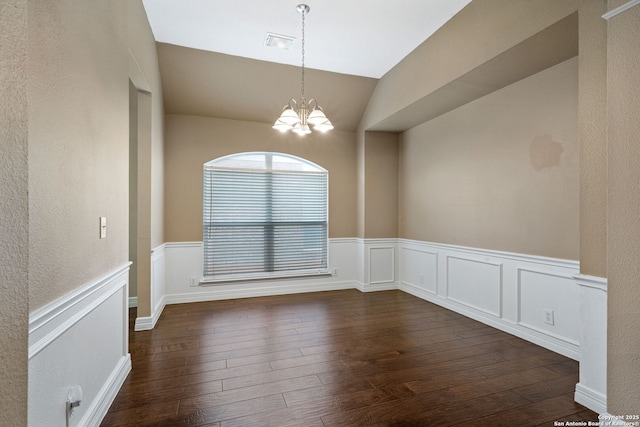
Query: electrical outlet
x: 193, y: 281
x: 335, y: 271
x: 421, y: 278
x: 74, y: 398
x: 548, y: 316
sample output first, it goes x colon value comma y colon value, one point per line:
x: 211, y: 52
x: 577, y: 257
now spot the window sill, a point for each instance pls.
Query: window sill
x: 211, y: 281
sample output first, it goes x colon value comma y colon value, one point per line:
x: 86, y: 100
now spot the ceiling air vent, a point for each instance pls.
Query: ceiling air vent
x: 279, y: 41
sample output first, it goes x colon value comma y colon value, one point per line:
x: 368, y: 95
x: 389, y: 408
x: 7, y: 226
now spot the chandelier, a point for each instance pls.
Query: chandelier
x: 297, y: 116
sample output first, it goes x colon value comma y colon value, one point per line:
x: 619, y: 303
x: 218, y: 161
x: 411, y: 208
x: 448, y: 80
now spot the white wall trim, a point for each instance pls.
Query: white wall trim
x: 488, y: 286
x: 157, y: 290
x: 49, y: 322
x: 591, y: 391
x: 497, y: 265
x: 146, y: 323
x: 573, y: 342
x: 618, y: 10
x: 80, y: 339
x: 547, y: 261
x: 590, y: 398
x: 133, y: 302
x: 242, y: 290
x: 173, y: 245
x: 100, y: 406
x: 376, y: 287
x: 391, y: 273
x: 599, y: 283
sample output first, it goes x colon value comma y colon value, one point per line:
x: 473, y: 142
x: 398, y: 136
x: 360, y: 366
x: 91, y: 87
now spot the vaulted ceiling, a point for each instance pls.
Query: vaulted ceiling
x: 213, y: 60
x: 359, y: 37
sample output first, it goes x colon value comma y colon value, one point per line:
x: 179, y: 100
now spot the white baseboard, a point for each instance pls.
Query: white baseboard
x: 248, y: 290
x: 100, y: 406
x: 146, y: 323
x: 377, y: 287
x: 133, y: 302
x: 590, y: 398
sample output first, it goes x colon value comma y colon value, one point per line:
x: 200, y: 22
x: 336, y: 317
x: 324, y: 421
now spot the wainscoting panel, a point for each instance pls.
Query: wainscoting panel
x: 591, y: 391
x: 381, y: 265
x: 509, y: 291
x: 184, y: 274
x: 475, y: 284
x: 547, y: 303
x: 419, y: 268
x: 80, y: 339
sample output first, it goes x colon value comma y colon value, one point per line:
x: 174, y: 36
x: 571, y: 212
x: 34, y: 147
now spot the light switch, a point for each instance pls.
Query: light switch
x: 103, y: 227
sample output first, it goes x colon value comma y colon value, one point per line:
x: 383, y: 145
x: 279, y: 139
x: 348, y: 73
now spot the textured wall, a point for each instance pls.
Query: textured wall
x: 142, y: 46
x: 78, y: 144
x: 592, y: 101
x: 14, y: 216
x: 381, y: 185
x: 192, y: 141
x: 623, y: 211
x: 501, y: 172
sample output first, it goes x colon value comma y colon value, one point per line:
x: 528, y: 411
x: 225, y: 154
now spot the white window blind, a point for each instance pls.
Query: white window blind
x: 264, y: 214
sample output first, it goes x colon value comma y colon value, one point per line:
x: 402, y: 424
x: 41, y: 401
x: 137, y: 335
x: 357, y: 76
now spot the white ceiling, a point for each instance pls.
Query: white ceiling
x: 359, y: 37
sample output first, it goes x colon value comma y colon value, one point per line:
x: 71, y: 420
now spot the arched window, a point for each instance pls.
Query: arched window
x: 264, y: 215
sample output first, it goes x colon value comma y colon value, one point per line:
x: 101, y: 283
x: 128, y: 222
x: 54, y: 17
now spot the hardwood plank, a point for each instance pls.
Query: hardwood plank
x: 342, y: 358
x: 546, y: 411
x: 210, y: 400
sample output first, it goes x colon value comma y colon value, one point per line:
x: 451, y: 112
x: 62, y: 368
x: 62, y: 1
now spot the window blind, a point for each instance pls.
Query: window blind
x: 261, y: 222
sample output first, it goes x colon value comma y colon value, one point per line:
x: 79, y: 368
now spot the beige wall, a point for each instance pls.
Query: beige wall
x: 477, y: 34
x: 593, y: 139
x: 144, y: 73
x: 623, y: 211
x: 380, y: 159
x: 14, y: 215
x: 192, y: 141
x: 499, y: 173
x: 142, y: 48
x: 79, y: 68
x: 78, y: 144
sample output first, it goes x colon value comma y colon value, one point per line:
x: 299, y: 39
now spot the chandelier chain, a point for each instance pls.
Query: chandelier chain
x: 303, y: 14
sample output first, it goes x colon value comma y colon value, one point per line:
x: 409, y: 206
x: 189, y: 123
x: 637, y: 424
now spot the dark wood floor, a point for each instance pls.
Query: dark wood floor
x: 340, y: 358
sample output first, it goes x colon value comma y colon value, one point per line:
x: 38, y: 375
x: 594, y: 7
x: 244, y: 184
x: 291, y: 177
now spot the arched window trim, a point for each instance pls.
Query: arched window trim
x: 265, y: 215
x: 219, y: 162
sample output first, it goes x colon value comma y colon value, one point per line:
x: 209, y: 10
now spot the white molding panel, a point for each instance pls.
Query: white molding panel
x: 540, y: 292
x: 381, y: 265
x: 475, y: 283
x: 419, y: 268
x: 80, y: 339
x: 511, y: 292
x: 591, y: 391
x: 379, y: 258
